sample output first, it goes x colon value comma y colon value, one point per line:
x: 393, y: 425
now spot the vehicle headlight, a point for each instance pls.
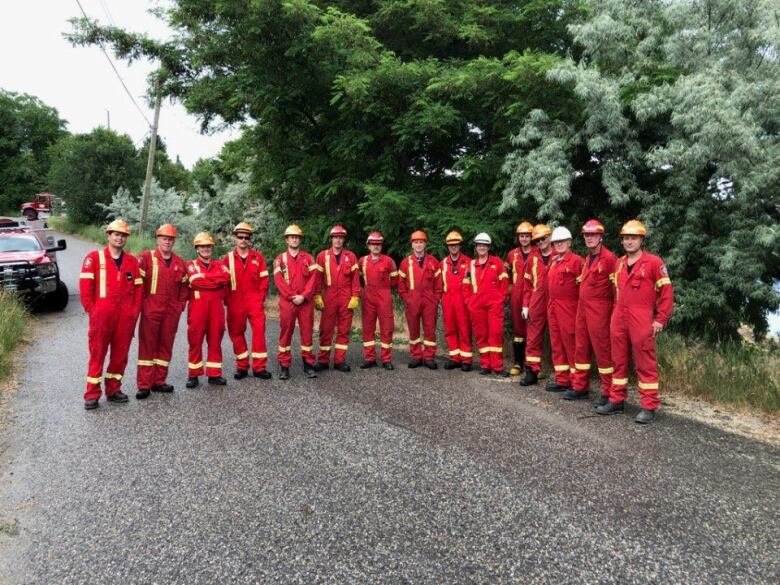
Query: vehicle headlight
x: 47, y: 269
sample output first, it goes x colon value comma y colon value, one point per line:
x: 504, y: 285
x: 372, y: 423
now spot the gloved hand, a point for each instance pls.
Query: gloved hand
x: 525, y: 313
x: 319, y: 304
x: 353, y: 303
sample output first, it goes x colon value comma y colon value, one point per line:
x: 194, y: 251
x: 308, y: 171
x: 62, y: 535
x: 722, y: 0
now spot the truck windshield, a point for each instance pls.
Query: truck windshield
x: 19, y: 244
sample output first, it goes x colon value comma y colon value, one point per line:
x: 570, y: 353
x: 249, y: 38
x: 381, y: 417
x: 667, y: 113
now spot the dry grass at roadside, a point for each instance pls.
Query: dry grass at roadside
x: 11, y: 328
x: 746, y: 375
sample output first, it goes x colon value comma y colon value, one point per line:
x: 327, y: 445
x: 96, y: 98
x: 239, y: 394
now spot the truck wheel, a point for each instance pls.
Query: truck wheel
x: 58, y: 300
x: 30, y: 214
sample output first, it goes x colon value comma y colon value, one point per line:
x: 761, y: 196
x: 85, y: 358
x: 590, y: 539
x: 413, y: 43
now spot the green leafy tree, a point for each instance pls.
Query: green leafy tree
x: 28, y: 128
x: 88, y: 169
x: 170, y: 174
x: 389, y: 114
x: 676, y: 120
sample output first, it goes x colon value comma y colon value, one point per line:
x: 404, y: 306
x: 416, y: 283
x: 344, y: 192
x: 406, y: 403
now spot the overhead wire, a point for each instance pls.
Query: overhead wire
x: 116, y: 71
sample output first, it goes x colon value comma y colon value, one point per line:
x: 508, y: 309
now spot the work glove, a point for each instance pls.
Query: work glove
x: 319, y: 304
x: 353, y: 303
x: 525, y: 313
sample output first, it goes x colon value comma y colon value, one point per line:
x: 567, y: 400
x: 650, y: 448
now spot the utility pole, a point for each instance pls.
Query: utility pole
x: 108, y: 119
x: 150, y: 161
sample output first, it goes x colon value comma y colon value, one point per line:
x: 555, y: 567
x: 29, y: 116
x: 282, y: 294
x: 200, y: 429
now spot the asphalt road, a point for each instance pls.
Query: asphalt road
x: 368, y: 477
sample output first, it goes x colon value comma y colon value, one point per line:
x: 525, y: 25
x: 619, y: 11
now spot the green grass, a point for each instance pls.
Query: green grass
x: 135, y: 243
x: 12, y: 327
x: 746, y: 375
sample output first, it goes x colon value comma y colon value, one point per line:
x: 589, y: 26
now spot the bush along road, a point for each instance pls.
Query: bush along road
x: 371, y: 476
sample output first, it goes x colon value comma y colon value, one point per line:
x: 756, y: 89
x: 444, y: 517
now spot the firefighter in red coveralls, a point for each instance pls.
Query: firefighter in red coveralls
x: 515, y: 266
x: 535, y: 302
x: 420, y: 289
x: 484, y: 289
x: 245, y: 299
x: 110, y: 286
x: 563, y: 275
x: 338, y: 295
x: 164, y: 298
x: 591, y: 334
x: 457, y: 325
x: 295, y: 276
x: 643, y: 305
x: 379, y: 275
x: 209, y: 280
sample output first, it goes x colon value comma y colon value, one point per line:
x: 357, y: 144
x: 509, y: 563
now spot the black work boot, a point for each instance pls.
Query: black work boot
x: 240, y: 374
x: 319, y: 367
x: 431, y: 365
x: 466, y: 367
x: 165, y: 388
x: 192, y: 382
x: 366, y: 365
x: 484, y: 371
x: 530, y: 378
x: 388, y: 366
x: 645, y: 417
x: 217, y: 381
x: 451, y: 365
x: 555, y: 387
x: 415, y: 364
x: 262, y: 374
x: 342, y: 367
x: 142, y: 394
x: 91, y: 404
x: 284, y: 374
x: 575, y: 394
x: 611, y: 408
x: 118, y: 397
x: 601, y: 401
x: 310, y: 370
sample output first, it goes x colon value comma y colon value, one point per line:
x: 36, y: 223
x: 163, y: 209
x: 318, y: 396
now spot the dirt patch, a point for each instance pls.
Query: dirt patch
x: 757, y: 426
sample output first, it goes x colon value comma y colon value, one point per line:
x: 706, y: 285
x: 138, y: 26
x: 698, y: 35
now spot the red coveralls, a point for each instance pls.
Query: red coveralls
x: 378, y: 279
x: 164, y: 298
x: 535, y: 298
x: 457, y: 326
x: 337, y: 282
x: 563, y: 275
x: 111, y: 297
x: 206, y: 315
x: 515, y: 265
x: 245, y: 299
x: 420, y: 289
x: 295, y: 275
x: 594, y: 310
x: 485, y: 292
x: 641, y: 296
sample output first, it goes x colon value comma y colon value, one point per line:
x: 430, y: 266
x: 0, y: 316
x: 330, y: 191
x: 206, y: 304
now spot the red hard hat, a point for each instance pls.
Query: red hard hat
x: 375, y: 237
x: 338, y: 230
x: 593, y: 226
x: 166, y: 230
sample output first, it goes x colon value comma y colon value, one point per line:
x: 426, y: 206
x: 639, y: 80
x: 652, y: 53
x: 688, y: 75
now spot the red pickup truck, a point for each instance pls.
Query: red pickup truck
x: 28, y: 264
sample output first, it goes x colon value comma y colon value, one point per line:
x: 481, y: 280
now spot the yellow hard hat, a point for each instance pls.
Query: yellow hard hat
x: 293, y: 230
x: 633, y: 227
x: 524, y: 227
x: 540, y: 231
x: 243, y: 226
x: 203, y: 239
x: 118, y: 225
x: 453, y: 237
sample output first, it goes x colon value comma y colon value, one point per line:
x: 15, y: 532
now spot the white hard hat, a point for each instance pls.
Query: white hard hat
x: 483, y: 238
x: 561, y: 233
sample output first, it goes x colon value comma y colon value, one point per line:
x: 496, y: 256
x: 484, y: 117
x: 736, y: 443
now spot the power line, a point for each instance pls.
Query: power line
x: 107, y: 12
x: 110, y: 62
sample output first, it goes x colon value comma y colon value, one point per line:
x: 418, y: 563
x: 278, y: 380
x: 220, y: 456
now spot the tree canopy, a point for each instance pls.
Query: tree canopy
x: 27, y: 128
